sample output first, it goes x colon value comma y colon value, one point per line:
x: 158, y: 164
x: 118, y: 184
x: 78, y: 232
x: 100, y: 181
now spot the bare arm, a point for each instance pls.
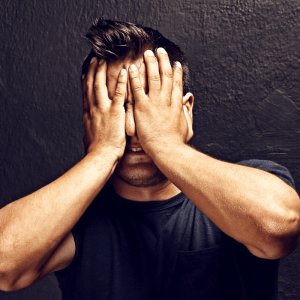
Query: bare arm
x: 252, y: 206
x: 35, y: 237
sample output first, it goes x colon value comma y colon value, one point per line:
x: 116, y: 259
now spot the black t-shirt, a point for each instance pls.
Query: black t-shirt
x: 163, y: 250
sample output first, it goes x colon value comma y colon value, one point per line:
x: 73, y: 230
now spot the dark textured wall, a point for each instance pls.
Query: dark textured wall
x: 245, y: 72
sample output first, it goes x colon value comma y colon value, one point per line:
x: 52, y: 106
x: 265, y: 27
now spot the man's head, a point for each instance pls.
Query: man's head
x: 114, y: 41
x: 122, y: 44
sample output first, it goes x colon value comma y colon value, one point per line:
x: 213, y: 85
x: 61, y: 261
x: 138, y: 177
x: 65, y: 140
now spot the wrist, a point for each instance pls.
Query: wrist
x: 108, y: 155
x: 164, y: 149
x: 114, y: 153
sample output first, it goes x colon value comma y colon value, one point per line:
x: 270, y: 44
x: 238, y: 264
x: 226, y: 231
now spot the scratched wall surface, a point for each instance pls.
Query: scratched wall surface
x: 245, y: 74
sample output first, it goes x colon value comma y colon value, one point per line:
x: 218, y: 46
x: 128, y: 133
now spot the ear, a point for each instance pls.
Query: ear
x: 188, y: 102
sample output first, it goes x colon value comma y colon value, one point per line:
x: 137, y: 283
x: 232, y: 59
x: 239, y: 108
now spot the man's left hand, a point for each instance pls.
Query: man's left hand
x: 160, y: 116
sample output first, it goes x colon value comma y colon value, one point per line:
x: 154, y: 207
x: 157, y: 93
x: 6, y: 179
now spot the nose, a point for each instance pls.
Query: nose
x: 129, y: 116
x: 129, y: 120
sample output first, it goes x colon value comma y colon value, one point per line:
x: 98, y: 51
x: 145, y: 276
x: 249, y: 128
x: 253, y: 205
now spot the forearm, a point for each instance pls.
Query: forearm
x: 33, y: 227
x: 250, y: 205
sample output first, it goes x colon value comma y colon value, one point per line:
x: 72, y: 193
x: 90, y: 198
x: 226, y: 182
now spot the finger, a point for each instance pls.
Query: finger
x: 153, y: 73
x: 177, y: 91
x: 136, y: 85
x: 166, y: 73
x: 100, y: 88
x: 90, y: 82
x: 121, y: 89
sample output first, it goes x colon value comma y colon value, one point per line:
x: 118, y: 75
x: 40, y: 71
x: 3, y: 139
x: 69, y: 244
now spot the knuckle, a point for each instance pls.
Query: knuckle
x: 93, y: 111
x: 137, y: 88
x: 152, y: 59
x: 119, y: 93
x: 178, y: 84
x: 110, y: 76
x: 121, y: 84
x: 168, y: 74
x: 89, y: 84
x: 122, y: 81
x: 85, y: 119
x: 178, y: 70
x: 155, y: 77
x: 134, y: 75
x: 96, y: 87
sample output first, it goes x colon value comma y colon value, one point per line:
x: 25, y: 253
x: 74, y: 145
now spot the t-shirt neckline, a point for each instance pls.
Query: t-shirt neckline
x: 149, y: 206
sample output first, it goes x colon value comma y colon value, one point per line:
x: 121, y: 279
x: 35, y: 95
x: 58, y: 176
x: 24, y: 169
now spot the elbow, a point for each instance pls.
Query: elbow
x: 279, y: 248
x: 280, y: 237
x: 11, y: 276
x: 6, y: 287
x: 9, y: 282
x: 12, y: 279
x: 283, y: 231
x: 7, y: 277
x: 9, y: 287
x: 16, y: 271
x: 7, y: 269
x: 6, y: 283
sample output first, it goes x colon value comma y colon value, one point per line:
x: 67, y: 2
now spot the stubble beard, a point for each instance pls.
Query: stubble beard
x: 144, y: 175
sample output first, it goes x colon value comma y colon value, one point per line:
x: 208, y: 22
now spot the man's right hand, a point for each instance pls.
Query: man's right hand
x: 103, y: 118
x: 36, y: 237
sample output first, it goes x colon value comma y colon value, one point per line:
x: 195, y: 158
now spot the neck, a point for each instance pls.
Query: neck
x: 162, y: 191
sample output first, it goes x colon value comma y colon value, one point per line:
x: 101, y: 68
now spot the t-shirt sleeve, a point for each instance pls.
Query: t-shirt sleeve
x: 77, y: 232
x: 79, y: 229
x: 271, y: 167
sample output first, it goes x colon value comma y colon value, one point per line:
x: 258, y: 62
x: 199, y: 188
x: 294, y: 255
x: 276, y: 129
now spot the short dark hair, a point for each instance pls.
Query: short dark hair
x: 114, y: 40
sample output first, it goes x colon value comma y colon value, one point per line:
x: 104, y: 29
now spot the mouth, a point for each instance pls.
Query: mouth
x: 135, y: 150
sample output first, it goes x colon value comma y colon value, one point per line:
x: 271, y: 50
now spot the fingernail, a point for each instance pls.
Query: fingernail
x: 161, y: 50
x: 83, y: 76
x: 133, y: 68
x: 149, y: 53
x: 93, y: 60
x: 101, y: 61
x: 123, y: 72
x: 178, y: 65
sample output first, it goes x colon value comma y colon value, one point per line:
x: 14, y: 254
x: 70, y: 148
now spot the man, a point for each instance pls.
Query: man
x: 143, y: 215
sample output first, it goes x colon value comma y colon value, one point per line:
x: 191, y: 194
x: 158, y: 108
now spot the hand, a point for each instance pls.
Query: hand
x: 160, y: 116
x: 103, y: 118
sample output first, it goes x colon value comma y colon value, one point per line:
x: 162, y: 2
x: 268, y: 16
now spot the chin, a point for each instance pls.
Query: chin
x: 140, y: 175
